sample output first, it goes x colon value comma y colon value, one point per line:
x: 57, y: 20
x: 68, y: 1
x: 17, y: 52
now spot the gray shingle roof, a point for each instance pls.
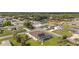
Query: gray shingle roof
x: 1, y: 19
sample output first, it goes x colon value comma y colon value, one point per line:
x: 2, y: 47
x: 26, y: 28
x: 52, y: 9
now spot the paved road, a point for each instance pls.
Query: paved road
x: 5, y: 43
x: 27, y: 29
x: 9, y: 36
x: 58, y: 35
x: 6, y: 37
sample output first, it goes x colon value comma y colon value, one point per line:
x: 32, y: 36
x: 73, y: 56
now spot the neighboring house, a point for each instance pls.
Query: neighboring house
x: 55, y: 22
x: 72, y: 19
x: 44, y: 21
x: 74, y: 38
x: 17, y: 22
x: 1, y: 28
x: 40, y: 35
x: 75, y: 30
x: 1, y: 22
x: 53, y: 28
x: 37, y: 24
x: 74, y: 23
x: 13, y: 21
x: 59, y: 28
x: 12, y: 28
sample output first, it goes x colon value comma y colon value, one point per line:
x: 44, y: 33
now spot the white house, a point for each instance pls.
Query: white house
x: 37, y: 24
x: 58, y: 27
x: 53, y: 28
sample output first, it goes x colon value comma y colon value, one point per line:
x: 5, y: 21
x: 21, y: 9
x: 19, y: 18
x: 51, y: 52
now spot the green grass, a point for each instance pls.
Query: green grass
x: 14, y: 42
x: 52, y: 42
x: 21, y: 30
x: 64, y: 32
x: 34, y: 43
x: 31, y: 42
x: 3, y: 40
x: 6, y: 32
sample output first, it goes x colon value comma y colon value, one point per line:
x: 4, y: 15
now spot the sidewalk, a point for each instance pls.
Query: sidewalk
x: 5, y: 43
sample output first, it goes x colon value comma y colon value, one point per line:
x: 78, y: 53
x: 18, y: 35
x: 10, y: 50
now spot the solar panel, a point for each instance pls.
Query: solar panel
x: 44, y: 36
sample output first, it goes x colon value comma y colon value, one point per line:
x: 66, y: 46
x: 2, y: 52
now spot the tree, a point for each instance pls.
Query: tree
x: 7, y: 23
x: 19, y: 38
x: 28, y: 25
x: 64, y: 36
x: 24, y: 40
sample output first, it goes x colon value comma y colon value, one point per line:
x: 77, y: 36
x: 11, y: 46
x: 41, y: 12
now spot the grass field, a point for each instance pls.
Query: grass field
x: 6, y: 32
x: 52, y: 41
x: 14, y: 42
x: 34, y: 43
x: 65, y: 31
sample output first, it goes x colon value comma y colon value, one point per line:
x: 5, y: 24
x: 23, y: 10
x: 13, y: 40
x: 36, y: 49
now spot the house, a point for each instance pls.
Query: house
x: 1, y: 22
x: 12, y: 28
x: 59, y: 28
x: 75, y: 30
x: 17, y: 22
x: 55, y: 22
x: 14, y: 21
x: 71, y: 19
x: 74, y: 38
x: 53, y: 28
x: 37, y: 24
x: 44, y: 21
x: 74, y: 23
x: 41, y: 35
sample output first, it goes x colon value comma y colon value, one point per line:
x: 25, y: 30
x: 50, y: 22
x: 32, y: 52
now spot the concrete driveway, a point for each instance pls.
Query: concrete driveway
x: 5, y: 43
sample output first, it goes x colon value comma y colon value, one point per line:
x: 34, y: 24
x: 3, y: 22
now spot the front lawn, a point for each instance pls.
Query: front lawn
x: 14, y: 42
x: 55, y: 41
x: 63, y: 32
x: 33, y: 42
x: 52, y: 42
x: 6, y: 32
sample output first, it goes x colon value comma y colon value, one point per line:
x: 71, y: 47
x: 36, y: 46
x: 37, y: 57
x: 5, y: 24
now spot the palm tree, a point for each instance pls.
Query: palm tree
x: 19, y: 38
x: 24, y: 40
